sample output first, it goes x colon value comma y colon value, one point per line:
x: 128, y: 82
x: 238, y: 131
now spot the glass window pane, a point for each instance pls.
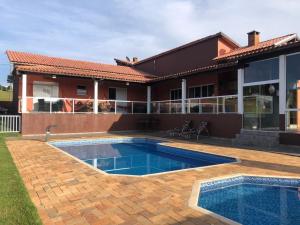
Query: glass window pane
x: 210, y: 91
x: 179, y: 94
x: 81, y: 90
x: 204, y: 91
x: 293, y: 81
x: 262, y: 70
x: 197, y: 92
x: 112, y: 93
x: 191, y: 92
x: 175, y: 94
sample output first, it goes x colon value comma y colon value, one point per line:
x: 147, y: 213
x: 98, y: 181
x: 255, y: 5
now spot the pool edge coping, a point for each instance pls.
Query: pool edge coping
x: 147, y: 175
x: 195, y: 193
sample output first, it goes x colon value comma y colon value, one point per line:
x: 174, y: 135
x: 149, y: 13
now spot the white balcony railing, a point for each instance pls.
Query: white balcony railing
x: 72, y: 105
x: 210, y: 105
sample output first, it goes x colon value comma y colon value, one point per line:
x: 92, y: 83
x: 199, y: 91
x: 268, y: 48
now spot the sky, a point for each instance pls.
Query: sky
x: 99, y: 30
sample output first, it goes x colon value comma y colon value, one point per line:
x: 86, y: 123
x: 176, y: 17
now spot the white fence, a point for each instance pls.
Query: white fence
x: 10, y: 123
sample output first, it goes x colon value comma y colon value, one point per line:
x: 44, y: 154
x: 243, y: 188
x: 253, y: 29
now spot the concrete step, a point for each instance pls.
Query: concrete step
x: 257, y: 138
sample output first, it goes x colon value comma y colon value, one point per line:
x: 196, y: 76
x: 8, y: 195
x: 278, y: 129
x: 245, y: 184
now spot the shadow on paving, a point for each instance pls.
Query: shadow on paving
x: 223, y: 142
x: 271, y: 166
x: 200, y: 220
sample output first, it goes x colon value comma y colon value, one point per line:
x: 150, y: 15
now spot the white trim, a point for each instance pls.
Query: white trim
x: 282, y: 84
x: 95, y: 106
x: 45, y: 82
x: 283, y: 41
x: 148, y: 99
x: 183, y: 96
x: 295, y: 53
x: 24, y: 93
x: 261, y: 83
x: 240, y: 91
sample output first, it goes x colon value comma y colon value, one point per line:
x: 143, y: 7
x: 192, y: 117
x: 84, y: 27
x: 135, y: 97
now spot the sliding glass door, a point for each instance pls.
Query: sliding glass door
x: 261, y: 107
x: 261, y: 95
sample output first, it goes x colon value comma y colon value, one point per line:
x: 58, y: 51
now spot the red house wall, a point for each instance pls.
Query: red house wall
x: 68, y: 86
x: 161, y: 90
x: 191, y: 56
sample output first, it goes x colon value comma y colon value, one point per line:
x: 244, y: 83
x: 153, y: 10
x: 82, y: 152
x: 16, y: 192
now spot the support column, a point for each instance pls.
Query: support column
x: 240, y: 91
x: 24, y: 93
x: 148, y: 99
x: 282, y: 84
x: 183, y: 96
x: 95, y: 97
x: 282, y: 92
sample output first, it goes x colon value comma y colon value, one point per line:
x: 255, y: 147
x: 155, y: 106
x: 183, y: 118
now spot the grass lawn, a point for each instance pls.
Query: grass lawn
x: 16, y: 207
x: 5, y: 95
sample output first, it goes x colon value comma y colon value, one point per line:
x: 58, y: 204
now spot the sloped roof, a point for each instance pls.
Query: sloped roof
x: 197, y: 70
x: 53, y: 65
x: 219, y: 34
x: 260, y: 47
x: 65, y: 71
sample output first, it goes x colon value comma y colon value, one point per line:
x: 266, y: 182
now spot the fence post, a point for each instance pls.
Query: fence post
x: 73, y: 105
x: 50, y: 105
x: 217, y: 105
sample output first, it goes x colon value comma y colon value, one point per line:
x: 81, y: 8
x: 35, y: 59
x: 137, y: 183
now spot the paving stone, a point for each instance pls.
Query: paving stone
x: 68, y: 192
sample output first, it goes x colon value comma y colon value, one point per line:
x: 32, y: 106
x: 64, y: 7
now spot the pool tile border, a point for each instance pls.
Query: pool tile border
x: 225, y: 181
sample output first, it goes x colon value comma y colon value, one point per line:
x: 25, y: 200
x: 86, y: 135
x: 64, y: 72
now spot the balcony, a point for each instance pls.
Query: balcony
x: 209, y: 105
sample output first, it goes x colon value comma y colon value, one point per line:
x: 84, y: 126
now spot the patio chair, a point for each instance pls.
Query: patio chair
x: 203, y: 127
x: 57, y: 106
x: 179, y: 131
x: 41, y: 105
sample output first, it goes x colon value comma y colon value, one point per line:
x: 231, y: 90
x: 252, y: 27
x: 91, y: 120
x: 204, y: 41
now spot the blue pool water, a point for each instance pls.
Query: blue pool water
x: 137, y: 156
x: 254, y: 200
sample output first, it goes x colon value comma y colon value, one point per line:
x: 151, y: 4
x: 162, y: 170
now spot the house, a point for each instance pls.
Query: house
x: 234, y: 87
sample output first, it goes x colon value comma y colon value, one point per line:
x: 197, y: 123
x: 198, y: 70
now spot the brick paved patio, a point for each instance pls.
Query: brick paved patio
x: 66, y: 191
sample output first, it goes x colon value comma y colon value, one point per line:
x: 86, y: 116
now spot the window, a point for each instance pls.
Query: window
x: 263, y: 70
x: 201, y: 91
x: 293, y: 81
x: 175, y: 94
x: 112, y: 93
x: 45, y: 89
x: 81, y: 90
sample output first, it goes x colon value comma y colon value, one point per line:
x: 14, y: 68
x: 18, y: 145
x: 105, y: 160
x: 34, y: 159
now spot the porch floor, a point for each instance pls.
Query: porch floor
x: 66, y: 191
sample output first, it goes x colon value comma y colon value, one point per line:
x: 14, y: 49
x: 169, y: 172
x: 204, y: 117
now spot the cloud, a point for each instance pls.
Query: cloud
x: 102, y: 30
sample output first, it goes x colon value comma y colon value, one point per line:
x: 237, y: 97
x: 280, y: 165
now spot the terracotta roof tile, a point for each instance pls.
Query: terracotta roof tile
x: 197, y: 70
x: 65, y: 71
x: 248, y: 50
x: 40, y: 63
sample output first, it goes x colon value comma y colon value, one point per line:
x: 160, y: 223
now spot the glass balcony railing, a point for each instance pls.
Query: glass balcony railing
x: 209, y: 105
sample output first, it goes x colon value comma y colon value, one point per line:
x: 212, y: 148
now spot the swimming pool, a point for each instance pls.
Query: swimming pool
x: 251, y: 200
x: 137, y: 156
